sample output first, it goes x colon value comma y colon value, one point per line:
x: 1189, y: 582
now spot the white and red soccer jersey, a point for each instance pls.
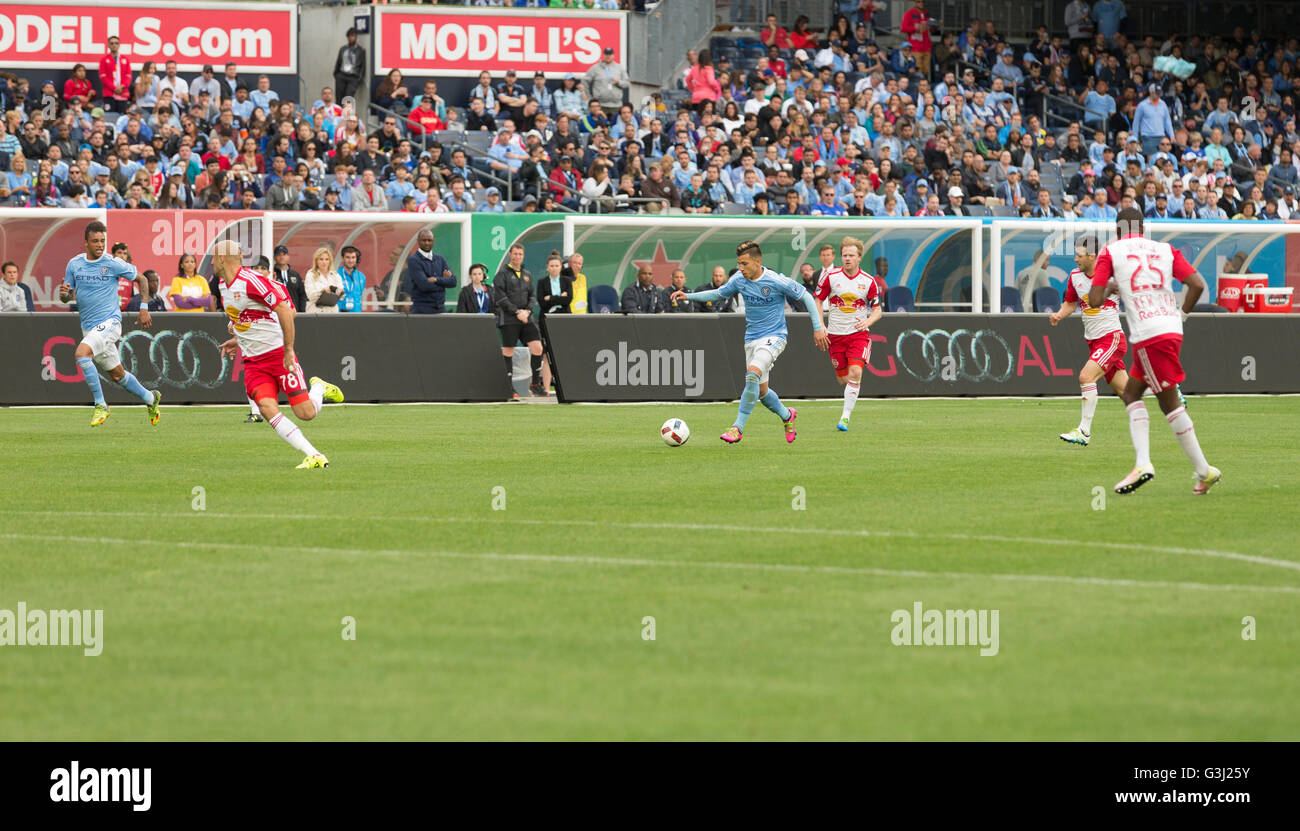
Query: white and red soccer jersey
x: 851, y: 299
x: 1145, y: 271
x: 249, y: 299
x: 1097, y: 323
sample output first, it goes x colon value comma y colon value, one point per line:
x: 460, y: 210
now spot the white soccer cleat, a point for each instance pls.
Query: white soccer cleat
x: 1076, y: 436
x: 1138, y: 477
x: 1212, y: 477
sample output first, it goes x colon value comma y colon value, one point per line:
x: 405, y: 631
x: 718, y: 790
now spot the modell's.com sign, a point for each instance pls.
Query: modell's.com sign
x: 55, y: 34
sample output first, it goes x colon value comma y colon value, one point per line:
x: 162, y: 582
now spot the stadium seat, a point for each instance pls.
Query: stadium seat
x: 1047, y: 299
x: 1011, y: 300
x: 1004, y: 210
x: 27, y: 293
x: 394, y: 203
x: 979, y: 210
x: 479, y: 141
x: 899, y: 299
x: 734, y: 208
x: 1199, y: 307
x: 603, y: 300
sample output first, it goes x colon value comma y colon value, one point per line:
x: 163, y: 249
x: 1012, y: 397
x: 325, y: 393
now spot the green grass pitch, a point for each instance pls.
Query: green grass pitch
x: 769, y: 622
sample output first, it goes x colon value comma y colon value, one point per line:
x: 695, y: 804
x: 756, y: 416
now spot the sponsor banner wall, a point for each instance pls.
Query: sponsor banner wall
x: 700, y: 357
x: 380, y: 357
x: 55, y: 34
x: 463, y: 42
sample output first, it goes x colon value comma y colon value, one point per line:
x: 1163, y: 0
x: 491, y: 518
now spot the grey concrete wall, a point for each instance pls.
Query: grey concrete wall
x: 321, y: 31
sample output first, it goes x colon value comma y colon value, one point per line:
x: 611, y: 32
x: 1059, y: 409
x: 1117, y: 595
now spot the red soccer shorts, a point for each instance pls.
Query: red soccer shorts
x: 1108, y: 352
x: 847, y: 350
x: 265, y: 377
x: 1156, y: 362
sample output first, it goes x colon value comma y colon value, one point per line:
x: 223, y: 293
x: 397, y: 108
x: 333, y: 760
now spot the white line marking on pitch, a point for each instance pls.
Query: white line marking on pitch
x: 745, y: 529
x: 643, y: 562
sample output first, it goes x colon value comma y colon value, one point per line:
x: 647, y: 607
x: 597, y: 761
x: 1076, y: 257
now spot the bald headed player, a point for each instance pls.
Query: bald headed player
x: 261, y: 319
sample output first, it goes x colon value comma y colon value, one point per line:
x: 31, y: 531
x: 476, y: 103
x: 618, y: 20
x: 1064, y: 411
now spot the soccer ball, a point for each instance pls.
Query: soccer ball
x: 675, y: 432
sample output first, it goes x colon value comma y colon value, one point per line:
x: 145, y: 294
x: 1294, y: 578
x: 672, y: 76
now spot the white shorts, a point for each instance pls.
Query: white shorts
x: 762, y: 353
x: 105, y: 342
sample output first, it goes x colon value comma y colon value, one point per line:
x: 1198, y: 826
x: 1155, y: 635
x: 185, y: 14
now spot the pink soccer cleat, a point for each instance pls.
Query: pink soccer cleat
x: 1212, y: 477
x: 789, y: 427
x: 1136, y: 479
x: 731, y: 435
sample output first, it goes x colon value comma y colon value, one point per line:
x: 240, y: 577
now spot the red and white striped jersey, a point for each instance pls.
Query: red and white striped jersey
x: 249, y: 299
x: 1144, y: 271
x: 1097, y: 323
x: 850, y: 298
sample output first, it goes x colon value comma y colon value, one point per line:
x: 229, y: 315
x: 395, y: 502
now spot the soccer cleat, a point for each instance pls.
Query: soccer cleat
x: 154, y: 412
x: 843, y: 425
x: 333, y: 394
x: 1136, y: 479
x: 789, y: 426
x: 731, y: 435
x: 1076, y: 436
x: 254, y: 418
x: 313, y: 462
x: 99, y: 416
x: 537, y: 390
x: 1212, y: 477
x: 514, y: 396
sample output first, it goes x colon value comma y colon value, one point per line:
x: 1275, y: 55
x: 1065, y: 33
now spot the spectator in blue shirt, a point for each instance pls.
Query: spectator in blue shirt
x: 1108, y: 14
x: 354, y: 281
x: 492, y: 203
x: 1098, y: 106
x: 751, y: 187
x: 1006, y: 68
x: 903, y: 62
x: 1151, y: 122
x: 264, y: 95
x: 828, y: 206
x: 793, y: 207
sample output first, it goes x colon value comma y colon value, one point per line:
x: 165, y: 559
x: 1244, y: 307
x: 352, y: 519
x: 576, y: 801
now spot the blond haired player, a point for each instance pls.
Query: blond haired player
x: 1106, y: 343
x: 261, y: 318
x: 1144, y: 271
x: 854, y: 300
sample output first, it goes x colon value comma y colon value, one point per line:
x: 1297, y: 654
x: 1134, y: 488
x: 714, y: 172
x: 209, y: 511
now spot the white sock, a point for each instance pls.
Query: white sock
x: 850, y: 398
x: 253, y: 408
x: 291, y: 434
x: 1181, y: 423
x: 1139, y: 427
x: 1089, y: 407
x: 316, y: 394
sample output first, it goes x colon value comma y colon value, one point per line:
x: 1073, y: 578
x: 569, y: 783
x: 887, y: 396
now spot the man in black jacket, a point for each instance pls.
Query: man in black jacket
x: 643, y: 297
x: 514, y: 294
x: 430, y: 277
x: 348, y: 66
x: 290, y: 279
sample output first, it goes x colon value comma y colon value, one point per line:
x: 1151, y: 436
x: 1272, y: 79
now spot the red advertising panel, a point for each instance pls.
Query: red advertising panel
x: 55, y: 34
x: 466, y: 41
x: 157, y: 239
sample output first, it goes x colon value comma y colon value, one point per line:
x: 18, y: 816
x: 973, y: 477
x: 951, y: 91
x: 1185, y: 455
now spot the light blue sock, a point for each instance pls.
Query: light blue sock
x: 748, y: 399
x: 132, y: 385
x: 773, y: 402
x: 91, y: 374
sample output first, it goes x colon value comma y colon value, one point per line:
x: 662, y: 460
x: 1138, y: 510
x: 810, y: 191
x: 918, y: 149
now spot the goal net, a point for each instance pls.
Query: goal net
x: 935, y: 258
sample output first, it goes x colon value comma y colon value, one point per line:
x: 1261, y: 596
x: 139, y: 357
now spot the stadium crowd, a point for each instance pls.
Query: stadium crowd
x: 793, y: 122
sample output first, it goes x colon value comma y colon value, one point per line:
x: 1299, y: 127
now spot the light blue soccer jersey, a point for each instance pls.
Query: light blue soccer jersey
x: 96, y: 285
x: 764, y: 302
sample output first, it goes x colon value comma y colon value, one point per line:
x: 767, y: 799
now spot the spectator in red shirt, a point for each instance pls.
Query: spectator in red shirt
x: 424, y: 119
x: 916, y: 25
x: 774, y: 35
x: 115, y: 77
x: 802, y: 37
x: 78, y: 86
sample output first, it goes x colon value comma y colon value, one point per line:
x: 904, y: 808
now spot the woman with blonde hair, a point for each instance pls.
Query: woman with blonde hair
x: 322, y: 283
